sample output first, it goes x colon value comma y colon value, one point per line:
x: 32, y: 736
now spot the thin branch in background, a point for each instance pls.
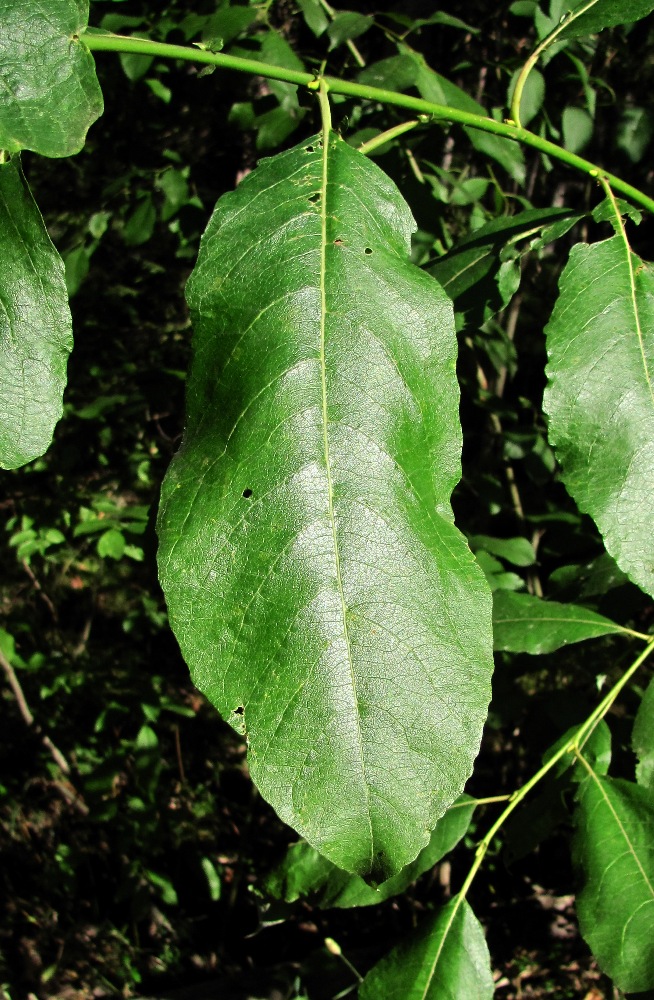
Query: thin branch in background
x: 329, y: 10
x: 40, y: 591
x: 71, y: 796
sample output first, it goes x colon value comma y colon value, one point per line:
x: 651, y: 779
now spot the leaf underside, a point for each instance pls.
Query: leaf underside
x: 319, y: 590
x: 600, y: 397
x: 49, y: 93
x: 35, y: 325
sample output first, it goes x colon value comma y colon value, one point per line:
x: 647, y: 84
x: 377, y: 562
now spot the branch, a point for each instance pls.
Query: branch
x: 441, y: 112
x: 24, y: 710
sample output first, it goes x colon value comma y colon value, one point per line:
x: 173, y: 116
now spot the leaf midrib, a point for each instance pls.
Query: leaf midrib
x: 325, y: 425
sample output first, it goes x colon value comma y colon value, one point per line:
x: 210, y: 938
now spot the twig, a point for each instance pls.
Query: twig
x: 40, y: 591
x: 24, y: 710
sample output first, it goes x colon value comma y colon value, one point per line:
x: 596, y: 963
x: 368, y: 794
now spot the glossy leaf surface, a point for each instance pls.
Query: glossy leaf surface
x: 642, y: 739
x: 35, y: 325
x: 526, y: 624
x: 446, y: 959
x: 614, y: 852
x: 319, y: 590
x: 600, y: 397
x: 49, y: 93
x: 304, y: 873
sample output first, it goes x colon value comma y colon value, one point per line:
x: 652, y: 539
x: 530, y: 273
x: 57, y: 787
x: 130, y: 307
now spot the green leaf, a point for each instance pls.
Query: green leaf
x: 447, y: 959
x: 533, y: 95
x: 35, y: 325
x: 587, y: 18
x: 49, y: 93
x: 518, y: 551
x: 600, y: 399
x: 526, y: 624
x: 314, y: 15
x: 634, y: 132
x: 613, y: 851
x: 642, y: 739
x: 469, y: 272
x: 409, y: 69
x: 577, y: 128
x: 111, y: 544
x: 346, y: 25
x: 315, y: 580
x: 304, y: 872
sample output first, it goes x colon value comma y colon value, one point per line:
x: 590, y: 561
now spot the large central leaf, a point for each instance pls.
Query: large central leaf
x: 319, y: 590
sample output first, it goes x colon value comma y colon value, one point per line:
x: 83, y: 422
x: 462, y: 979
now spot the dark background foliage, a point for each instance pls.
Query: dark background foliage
x: 138, y: 871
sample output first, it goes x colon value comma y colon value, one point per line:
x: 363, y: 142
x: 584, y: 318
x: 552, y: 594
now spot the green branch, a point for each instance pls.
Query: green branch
x: 571, y: 747
x: 440, y: 112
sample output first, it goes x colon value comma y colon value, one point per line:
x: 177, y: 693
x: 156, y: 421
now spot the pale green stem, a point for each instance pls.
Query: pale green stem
x: 392, y: 133
x: 536, y: 54
x: 581, y: 735
x: 143, y: 46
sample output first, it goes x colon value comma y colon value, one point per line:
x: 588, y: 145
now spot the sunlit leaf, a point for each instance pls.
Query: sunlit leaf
x: 600, y: 397
x: 446, y: 959
x: 642, y: 739
x: 320, y: 592
x: 526, y: 624
x: 49, y: 93
x: 613, y: 850
x: 35, y: 325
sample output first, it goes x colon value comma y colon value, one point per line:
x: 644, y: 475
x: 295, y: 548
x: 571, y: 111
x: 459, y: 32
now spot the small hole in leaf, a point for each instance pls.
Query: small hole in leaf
x: 338, y: 243
x: 239, y: 710
x: 308, y: 149
x: 368, y: 251
x: 247, y: 493
x: 313, y: 198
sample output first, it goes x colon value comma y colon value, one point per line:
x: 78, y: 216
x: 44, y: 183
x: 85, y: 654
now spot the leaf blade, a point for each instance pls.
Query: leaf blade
x: 50, y: 94
x: 332, y: 610
x: 526, y: 624
x: 445, y: 960
x: 614, y: 854
x: 599, y: 397
x: 35, y: 325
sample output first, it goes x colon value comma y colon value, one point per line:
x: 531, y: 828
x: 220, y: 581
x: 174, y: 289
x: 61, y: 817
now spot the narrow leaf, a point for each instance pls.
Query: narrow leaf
x: 642, y: 739
x: 614, y: 853
x: 526, y: 624
x: 600, y: 399
x: 49, y: 93
x: 35, y: 325
x: 446, y: 959
x: 304, y: 873
x: 319, y: 590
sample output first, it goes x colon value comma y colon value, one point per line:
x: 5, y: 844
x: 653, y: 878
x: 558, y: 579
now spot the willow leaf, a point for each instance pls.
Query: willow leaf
x: 446, y: 959
x: 49, y: 93
x: 317, y: 585
x: 600, y: 398
x: 35, y: 325
x: 526, y: 624
x: 614, y: 853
